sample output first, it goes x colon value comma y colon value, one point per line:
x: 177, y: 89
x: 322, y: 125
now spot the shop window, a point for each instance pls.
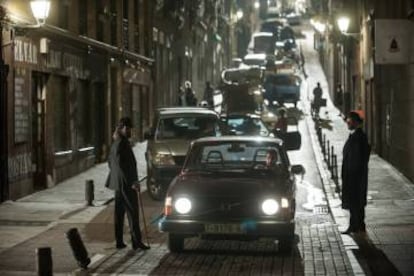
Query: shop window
x: 84, y: 115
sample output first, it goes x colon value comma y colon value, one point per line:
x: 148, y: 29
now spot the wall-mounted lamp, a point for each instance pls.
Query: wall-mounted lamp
x: 343, y: 25
x: 239, y: 14
x: 40, y: 10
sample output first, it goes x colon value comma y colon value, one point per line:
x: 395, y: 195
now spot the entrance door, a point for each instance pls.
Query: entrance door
x: 38, y: 131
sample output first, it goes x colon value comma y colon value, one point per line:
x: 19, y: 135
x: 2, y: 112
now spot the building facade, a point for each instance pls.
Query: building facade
x: 68, y: 83
x: 371, y: 80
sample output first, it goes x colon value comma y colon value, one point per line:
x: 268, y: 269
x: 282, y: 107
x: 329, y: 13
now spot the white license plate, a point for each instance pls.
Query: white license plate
x: 223, y: 228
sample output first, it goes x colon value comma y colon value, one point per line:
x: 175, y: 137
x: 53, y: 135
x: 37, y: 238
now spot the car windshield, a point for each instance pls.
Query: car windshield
x: 187, y: 127
x: 230, y: 156
x: 246, y: 126
x: 281, y: 79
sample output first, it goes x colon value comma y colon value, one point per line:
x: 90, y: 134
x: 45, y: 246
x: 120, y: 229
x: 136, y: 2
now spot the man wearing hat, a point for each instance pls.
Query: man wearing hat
x: 123, y: 179
x: 355, y: 173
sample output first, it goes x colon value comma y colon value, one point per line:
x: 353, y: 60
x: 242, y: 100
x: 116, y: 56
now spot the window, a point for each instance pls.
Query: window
x: 61, y: 115
x: 83, y: 17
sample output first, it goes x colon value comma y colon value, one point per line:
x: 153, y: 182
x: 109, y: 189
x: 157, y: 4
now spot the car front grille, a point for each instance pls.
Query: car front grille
x: 225, y: 208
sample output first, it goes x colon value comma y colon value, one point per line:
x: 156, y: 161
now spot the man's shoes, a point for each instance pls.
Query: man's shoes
x: 141, y: 246
x: 120, y: 245
x: 348, y: 231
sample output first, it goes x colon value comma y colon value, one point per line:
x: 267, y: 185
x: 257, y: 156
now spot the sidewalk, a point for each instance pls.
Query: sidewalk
x: 390, y: 208
x: 42, y: 218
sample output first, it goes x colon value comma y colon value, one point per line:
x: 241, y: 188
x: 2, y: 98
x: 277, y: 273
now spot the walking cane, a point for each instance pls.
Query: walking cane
x: 143, y: 216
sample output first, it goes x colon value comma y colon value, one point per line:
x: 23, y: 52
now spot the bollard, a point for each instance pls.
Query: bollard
x: 323, y: 145
x: 319, y: 133
x: 89, y: 192
x: 78, y: 248
x: 328, y: 155
x: 332, y: 154
x: 336, y: 179
x: 44, y: 264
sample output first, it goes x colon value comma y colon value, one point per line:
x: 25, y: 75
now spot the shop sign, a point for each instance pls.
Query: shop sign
x: 25, y: 51
x: 70, y: 63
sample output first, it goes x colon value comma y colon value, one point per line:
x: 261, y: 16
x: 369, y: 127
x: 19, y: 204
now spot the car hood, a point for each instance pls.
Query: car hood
x: 173, y: 147
x: 227, y: 184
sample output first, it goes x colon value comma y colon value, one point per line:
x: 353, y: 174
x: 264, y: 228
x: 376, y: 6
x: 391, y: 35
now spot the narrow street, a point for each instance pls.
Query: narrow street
x: 43, y: 218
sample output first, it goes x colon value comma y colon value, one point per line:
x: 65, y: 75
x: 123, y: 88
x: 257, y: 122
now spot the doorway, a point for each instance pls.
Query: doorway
x: 38, y: 130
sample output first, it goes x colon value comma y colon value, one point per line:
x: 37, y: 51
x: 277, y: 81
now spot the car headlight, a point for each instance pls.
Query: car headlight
x: 284, y: 203
x: 182, y: 205
x: 270, y: 206
x: 164, y: 159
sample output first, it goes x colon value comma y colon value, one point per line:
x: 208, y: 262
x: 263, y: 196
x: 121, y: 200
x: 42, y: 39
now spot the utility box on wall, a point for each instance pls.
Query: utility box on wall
x: 394, y: 43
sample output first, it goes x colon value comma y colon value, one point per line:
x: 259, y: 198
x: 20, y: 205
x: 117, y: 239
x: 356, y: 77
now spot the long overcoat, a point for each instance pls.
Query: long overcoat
x: 123, y: 166
x: 356, y: 153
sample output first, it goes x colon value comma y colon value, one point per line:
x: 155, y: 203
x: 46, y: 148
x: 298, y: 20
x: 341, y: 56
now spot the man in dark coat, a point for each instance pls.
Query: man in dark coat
x: 123, y: 179
x: 355, y: 174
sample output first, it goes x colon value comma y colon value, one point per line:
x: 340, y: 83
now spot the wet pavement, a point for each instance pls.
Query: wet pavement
x: 43, y: 218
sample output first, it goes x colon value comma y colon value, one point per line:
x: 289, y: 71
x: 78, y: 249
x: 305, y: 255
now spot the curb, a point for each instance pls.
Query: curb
x: 332, y: 198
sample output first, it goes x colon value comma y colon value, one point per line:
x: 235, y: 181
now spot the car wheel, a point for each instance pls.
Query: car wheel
x: 175, y: 243
x: 285, y: 245
x: 154, y: 189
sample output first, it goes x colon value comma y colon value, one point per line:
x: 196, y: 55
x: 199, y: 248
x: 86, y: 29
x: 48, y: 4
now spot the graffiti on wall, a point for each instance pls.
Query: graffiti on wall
x: 20, y: 165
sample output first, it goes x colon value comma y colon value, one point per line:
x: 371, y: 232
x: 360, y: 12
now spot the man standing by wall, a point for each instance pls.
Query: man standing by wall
x: 355, y: 174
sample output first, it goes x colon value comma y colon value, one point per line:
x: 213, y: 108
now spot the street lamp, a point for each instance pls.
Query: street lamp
x: 343, y: 25
x: 40, y: 10
x: 239, y: 14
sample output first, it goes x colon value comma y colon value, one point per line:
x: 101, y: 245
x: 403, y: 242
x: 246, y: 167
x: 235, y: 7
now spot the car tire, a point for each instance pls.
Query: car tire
x: 155, y: 190
x: 285, y: 245
x: 175, y: 243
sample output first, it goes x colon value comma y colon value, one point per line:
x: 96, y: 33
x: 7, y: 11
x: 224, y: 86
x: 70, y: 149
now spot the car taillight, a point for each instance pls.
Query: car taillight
x: 168, y: 206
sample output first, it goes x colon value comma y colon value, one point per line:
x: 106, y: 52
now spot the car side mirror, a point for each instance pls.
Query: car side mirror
x: 297, y: 169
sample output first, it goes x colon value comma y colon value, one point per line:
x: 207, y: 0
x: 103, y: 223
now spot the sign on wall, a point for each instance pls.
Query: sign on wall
x: 21, y: 106
x: 393, y: 41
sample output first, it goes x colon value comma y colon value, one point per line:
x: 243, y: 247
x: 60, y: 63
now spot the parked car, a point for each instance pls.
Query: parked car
x: 282, y: 88
x: 244, y: 124
x: 225, y: 191
x: 172, y: 131
x: 264, y: 42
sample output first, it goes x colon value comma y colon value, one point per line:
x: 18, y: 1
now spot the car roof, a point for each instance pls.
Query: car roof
x: 241, y: 114
x: 239, y: 139
x: 255, y: 56
x: 185, y: 110
x: 268, y: 34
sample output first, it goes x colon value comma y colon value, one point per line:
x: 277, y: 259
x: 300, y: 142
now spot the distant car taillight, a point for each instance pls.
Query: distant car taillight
x: 168, y: 206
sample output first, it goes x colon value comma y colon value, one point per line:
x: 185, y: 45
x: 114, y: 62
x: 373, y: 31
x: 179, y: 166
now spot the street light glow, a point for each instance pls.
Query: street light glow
x: 239, y: 14
x: 40, y: 10
x: 343, y: 24
x: 256, y: 5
